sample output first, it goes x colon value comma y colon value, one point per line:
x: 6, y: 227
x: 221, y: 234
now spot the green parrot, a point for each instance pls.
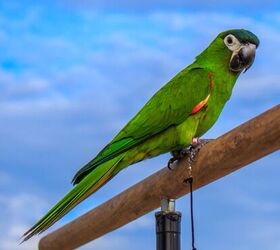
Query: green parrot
x: 183, y: 109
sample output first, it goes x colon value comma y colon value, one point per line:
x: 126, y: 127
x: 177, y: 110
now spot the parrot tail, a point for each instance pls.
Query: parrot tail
x: 92, y: 182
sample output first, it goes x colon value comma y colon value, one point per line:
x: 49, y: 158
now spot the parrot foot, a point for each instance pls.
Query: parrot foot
x: 195, y: 147
x: 190, y: 151
x: 176, y: 156
x: 170, y: 163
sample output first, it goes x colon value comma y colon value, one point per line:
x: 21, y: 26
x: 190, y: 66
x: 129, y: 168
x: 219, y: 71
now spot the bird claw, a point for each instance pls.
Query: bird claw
x: 195, y: 147
x: 190, y: 151
x: 170, y: 162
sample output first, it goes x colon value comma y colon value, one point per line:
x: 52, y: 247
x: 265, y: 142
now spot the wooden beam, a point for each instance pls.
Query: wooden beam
x: 235, y: 149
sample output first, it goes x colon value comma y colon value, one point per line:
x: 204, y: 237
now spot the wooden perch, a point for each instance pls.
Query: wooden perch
x: 235, y: 149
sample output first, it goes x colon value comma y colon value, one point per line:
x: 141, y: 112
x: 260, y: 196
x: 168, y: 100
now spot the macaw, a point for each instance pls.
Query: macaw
x: 184, y: 108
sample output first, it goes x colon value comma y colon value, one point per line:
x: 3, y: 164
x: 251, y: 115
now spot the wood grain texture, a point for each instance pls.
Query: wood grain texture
x: 235, y: 149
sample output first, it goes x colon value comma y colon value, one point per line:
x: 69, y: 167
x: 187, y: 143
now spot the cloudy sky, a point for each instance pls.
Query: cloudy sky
x: 73, y: 73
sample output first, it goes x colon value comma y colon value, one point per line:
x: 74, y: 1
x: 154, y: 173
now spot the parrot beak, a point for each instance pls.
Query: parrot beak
x: 243, y: 58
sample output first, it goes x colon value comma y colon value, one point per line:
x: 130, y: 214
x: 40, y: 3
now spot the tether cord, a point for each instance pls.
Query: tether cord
x: 190, y: 181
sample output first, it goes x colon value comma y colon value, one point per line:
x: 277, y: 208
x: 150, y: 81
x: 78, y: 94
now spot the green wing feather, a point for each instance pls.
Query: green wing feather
x: 170, y: 106
x: 90, y: 184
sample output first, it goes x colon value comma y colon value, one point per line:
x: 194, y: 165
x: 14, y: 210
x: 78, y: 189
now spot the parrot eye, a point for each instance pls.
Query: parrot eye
x: 229, y: 40
x: 232, y: 42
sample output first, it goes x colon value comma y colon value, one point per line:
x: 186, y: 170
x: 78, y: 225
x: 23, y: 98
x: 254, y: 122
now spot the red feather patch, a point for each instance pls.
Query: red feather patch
x: 200, y: 105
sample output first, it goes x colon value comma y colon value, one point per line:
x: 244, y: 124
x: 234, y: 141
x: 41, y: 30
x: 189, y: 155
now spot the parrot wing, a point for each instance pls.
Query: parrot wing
x: 170, y: 106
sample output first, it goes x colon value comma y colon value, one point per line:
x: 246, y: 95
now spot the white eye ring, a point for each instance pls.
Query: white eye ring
x: 232, y: 42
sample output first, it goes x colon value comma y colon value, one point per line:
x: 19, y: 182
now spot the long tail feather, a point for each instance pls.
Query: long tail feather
x: 92, y: 182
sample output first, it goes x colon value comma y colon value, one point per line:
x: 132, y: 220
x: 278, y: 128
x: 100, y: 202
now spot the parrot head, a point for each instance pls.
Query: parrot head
x: 242, y: 44
x: 232, y: 50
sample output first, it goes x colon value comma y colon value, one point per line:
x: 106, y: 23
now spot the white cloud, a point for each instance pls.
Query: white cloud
x: 125, y: 237
x: 142, y: 223
x: 213, y: 21
x: 251, y: 233
x: 109, y: 242
x: 21, y: 85
x: 18, y: 212
x: 27, y: 107
x: 259, y: 86
x: 255, y: 203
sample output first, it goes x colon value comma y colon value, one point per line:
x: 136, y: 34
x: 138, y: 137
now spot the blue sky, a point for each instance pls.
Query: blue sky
x: 73, y: 73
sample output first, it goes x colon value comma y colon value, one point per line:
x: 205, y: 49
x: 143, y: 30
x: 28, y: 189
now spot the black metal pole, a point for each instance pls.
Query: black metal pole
x: 168, y: 226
